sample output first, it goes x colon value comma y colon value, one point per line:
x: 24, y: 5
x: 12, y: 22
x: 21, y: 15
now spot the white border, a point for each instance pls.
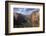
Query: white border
x: 15, y: 30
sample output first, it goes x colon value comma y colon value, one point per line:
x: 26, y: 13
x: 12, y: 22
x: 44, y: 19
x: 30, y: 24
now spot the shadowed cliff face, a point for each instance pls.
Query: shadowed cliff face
x: 21, y: 21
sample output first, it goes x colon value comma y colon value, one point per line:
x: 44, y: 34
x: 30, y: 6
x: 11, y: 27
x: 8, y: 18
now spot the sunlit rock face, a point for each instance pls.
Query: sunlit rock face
x: 27, y: 17
x: 35, y: 19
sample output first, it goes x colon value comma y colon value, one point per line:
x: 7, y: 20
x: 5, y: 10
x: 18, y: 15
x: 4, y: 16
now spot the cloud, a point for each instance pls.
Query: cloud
x: 25, y: 11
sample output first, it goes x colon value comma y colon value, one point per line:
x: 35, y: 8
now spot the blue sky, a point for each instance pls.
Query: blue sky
x: 25, y: 11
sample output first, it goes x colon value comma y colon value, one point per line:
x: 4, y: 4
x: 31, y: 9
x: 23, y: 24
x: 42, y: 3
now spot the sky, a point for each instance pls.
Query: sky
x: 25, y: 11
